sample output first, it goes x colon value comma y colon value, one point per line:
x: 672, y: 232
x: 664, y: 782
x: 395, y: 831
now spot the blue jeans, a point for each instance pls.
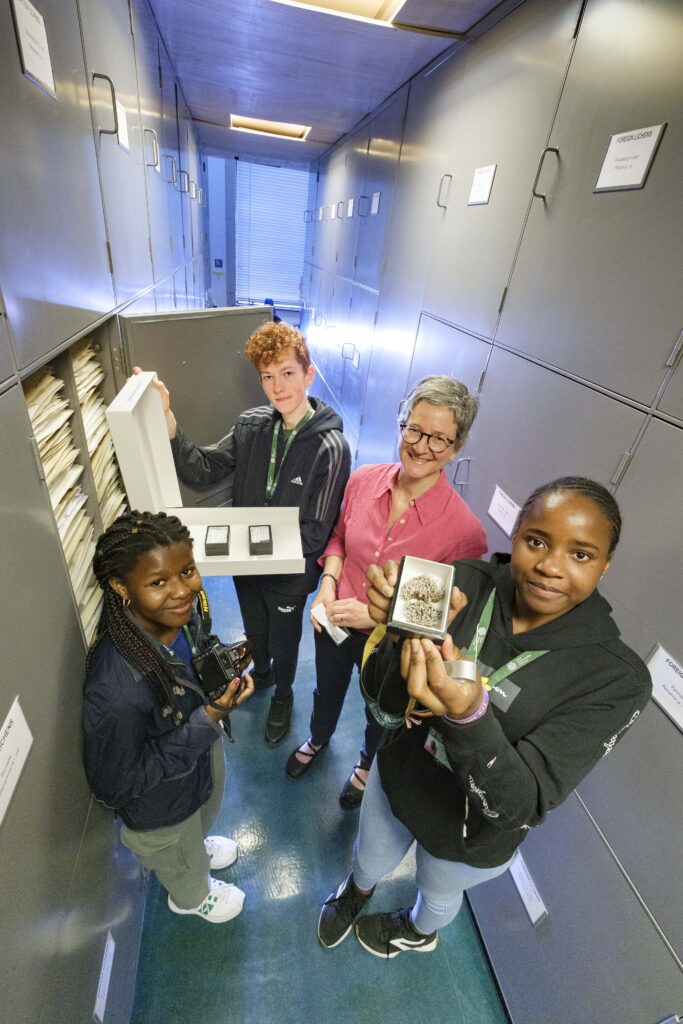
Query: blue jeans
x: 383, y: 842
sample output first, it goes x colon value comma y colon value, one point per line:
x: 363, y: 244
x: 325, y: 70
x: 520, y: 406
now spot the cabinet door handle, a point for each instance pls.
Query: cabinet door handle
x: 443, y: 206
x: 534, y: 188
x: 193, y: 190
x: 184, y: 182
x: 360, y: 207
x: 461, y: 483
x: 675, y: 351
x: 155, y: 147
x: 115, y: 129
x: 173, y: 180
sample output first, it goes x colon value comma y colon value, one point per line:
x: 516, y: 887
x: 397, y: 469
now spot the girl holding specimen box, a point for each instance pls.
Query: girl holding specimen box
x: 542, y: 688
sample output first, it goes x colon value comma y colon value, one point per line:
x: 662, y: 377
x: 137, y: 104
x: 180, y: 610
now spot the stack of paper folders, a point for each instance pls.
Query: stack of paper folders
x: 88, y: 375
x: 51, y: 419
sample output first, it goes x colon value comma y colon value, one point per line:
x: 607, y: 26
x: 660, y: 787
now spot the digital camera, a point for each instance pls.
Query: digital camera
x: 219, y: 664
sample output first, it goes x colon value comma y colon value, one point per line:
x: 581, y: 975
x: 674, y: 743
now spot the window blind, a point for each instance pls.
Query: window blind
x: 270, y: 233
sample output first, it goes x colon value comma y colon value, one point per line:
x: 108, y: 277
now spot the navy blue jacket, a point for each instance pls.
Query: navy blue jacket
x: 151, y: 771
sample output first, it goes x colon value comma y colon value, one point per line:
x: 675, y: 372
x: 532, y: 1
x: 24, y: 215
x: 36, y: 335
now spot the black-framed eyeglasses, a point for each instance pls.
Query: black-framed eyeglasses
x: 437, y: 443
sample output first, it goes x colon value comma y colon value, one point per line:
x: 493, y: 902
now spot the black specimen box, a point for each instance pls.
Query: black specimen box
x: 260, y: 540
x: 217, y: 540
x: 422, y: 599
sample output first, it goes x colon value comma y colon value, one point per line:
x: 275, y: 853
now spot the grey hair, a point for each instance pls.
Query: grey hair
x: 446, y: 391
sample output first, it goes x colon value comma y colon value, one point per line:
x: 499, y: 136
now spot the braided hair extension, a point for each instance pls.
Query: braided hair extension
x: 117, y: 553
x: 588, y: 489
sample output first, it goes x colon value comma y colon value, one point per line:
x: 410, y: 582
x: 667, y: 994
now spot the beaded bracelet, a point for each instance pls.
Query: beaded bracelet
x: 331, y: 576
x: 479, y: 713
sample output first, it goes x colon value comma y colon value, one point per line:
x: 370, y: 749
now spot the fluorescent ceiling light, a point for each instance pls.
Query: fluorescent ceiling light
x: 378, y: 12
x: 277, y: 129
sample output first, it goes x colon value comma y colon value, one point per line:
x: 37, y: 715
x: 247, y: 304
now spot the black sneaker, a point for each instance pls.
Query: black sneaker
x: 339, y: 911
x: 279, y: 718
x: 387, y: 935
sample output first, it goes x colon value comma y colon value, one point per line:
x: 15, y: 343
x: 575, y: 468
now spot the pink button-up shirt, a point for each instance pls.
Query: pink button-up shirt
x: 438, y: 525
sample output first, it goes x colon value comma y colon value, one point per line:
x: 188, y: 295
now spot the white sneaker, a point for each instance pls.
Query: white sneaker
x: 222, y: 852
x: 222, y: 904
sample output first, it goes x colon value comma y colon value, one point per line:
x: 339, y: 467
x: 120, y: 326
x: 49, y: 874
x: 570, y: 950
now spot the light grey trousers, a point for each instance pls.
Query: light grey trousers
x: 176, y: 853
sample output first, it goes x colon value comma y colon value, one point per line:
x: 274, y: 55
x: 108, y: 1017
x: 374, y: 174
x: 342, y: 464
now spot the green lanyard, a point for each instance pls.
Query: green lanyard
x: 273, y: 474
x: 478, y: 642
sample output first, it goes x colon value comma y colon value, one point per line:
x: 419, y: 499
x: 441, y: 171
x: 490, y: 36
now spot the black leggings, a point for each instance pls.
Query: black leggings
x: 272, y: 623
x: 334, y: 666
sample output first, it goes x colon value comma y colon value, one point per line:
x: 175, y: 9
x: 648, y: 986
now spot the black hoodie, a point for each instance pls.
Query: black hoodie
x: 312, y: 477
x: 546, y: 726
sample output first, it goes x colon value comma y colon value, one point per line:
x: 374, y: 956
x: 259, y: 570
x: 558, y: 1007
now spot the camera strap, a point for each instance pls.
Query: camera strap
x: 204, y: 611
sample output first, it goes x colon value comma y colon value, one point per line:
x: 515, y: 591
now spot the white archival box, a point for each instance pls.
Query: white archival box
x: 138, y: 430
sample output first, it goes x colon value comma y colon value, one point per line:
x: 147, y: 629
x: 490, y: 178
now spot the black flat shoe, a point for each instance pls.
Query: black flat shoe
x: 279, y: 719
x: 296, y: 768
x: 352, y: 796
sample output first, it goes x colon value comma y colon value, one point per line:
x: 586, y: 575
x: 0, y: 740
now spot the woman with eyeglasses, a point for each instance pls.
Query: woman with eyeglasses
x: 404, y: 508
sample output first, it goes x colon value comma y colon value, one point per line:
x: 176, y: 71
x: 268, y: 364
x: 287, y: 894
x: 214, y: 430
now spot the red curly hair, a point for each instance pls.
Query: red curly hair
x: 270, y: 342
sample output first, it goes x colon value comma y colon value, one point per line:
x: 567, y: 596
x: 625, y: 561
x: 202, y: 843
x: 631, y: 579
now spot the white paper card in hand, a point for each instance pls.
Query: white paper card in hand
x: 336, y: 632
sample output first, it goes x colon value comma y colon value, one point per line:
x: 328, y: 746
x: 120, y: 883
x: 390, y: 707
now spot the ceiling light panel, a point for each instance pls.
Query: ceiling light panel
x: 381, y: 12
x: 277, y: 129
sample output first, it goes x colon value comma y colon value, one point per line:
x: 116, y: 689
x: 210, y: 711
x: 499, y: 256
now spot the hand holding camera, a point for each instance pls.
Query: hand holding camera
x: 220, y: 669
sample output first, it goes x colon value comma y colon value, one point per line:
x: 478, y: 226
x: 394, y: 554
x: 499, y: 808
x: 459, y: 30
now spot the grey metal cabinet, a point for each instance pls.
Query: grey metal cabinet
x: 6, y: 367
x: 44, y: 823
x: 671, y: 402
x: 330, y: 227
x: 54, y: 269
x: 309, y: 218
x: 601, y: 272
x: 180, y: 288
x: 318, y: 211
x: 653, y: 526
x: 626, y: 797
x: 443, y: 349
x: 501, y: 115
x: 414, y: 219
x: 107, y: 903
x: 347, y: 198
x: 374, y: 204
x: 356, y: 346
x: 186, y: 173
x: 170, y: 156
x: 156, y: 162
x: 198, y: 352
x: 597, y: 957
x: 535, y: 425
x: 113, y: 93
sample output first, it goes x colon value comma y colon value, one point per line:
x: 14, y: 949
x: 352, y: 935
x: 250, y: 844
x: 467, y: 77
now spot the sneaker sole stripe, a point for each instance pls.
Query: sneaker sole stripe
x: 390, y: 956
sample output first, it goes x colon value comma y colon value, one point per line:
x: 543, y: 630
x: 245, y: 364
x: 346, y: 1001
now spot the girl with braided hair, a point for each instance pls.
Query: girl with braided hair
x: 153, y: 746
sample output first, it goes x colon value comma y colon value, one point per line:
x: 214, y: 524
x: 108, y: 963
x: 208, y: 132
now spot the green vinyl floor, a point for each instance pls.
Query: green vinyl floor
x: 295, y: 844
